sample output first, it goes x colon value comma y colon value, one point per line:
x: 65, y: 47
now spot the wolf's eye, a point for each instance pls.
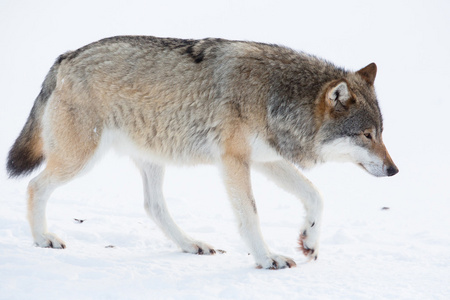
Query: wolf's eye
x: 368, y: 135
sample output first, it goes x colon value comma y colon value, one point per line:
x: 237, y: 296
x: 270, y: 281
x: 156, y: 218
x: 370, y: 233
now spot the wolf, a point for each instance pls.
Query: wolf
x: 238, y: 105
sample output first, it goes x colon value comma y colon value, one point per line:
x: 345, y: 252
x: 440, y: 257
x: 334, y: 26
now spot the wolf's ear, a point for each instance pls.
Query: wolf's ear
x: 339, y: 95
x: 368, y: 73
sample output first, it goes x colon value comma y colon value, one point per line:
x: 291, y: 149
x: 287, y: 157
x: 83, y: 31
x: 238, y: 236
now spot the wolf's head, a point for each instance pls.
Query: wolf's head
x: 351, y: 124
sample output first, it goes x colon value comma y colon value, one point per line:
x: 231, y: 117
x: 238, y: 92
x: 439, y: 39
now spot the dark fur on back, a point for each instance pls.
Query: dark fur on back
x: 196, y: 49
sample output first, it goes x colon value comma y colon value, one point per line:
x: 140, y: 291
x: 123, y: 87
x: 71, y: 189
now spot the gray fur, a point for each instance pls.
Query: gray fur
x: 232, y: 103
x: 284, y: 83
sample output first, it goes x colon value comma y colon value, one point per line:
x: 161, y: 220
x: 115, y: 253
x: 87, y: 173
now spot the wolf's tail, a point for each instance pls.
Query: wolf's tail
x: 26, y: 154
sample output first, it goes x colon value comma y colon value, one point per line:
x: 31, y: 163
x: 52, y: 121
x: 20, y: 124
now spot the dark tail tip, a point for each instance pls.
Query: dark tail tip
x: 27, y: 152
x: 22, y: 161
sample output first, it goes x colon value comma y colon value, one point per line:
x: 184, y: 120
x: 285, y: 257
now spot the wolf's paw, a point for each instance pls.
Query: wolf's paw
x: 49, y: 240
x: 275, y: 262
x: 309, y: 245
x: 201, y: 248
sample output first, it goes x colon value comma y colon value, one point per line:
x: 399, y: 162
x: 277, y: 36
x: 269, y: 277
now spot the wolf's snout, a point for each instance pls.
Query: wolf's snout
x: 392, y: 170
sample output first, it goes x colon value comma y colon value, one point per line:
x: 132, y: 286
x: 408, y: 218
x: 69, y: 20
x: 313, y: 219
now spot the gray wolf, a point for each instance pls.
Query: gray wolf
x: 239, y: 105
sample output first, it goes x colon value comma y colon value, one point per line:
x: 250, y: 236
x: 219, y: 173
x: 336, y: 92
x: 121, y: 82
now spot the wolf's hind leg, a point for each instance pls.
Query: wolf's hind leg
x: 155, y: 205
x: 39, y: 190
x: 57, y: 172
x: 286, y: 176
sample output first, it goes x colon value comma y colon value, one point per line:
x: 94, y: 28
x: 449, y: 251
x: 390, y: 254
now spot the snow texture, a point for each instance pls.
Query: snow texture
x: 367, y: 252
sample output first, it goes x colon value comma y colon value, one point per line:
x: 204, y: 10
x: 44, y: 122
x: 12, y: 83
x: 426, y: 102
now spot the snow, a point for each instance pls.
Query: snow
x: 118, y: 253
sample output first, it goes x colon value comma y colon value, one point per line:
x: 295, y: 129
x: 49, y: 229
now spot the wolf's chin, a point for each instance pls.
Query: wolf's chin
x: 373, y: 171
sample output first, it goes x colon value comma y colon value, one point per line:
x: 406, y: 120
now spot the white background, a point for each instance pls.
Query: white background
x: 366, y: 252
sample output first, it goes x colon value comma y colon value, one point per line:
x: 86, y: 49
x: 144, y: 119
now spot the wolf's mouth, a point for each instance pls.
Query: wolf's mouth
x: 362, y: 166
x: 373, y: 172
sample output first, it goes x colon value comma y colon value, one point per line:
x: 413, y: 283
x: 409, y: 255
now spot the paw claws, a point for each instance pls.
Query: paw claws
x: 208, y: 251
x: 283, y: 263
x: 50, y: 242
x: 274, y: 265
x: 291, y: 264
x: 305, y: 249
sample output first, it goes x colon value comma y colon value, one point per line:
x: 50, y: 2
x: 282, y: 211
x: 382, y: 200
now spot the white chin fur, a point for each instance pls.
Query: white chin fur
x: 344, y: 150
x: 374, y: 170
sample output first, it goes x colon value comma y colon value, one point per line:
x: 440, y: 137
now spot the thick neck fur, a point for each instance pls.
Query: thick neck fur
x: 297, y: 82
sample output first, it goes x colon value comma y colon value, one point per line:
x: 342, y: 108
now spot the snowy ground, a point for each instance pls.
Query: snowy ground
x: 366, y: 252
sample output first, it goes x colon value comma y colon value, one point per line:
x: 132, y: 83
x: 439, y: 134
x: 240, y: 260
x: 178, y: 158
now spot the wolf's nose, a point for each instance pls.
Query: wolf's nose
x: 392, y: 170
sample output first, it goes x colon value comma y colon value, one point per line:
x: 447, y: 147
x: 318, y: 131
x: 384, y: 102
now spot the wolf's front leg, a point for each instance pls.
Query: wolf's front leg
x: 287, y: 176
x: 236, y: 172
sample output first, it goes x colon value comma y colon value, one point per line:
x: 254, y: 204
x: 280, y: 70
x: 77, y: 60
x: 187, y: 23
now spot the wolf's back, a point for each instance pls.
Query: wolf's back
x: 26, y: 154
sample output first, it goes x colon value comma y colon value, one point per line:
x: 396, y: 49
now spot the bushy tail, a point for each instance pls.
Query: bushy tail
x: 26, y: 154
